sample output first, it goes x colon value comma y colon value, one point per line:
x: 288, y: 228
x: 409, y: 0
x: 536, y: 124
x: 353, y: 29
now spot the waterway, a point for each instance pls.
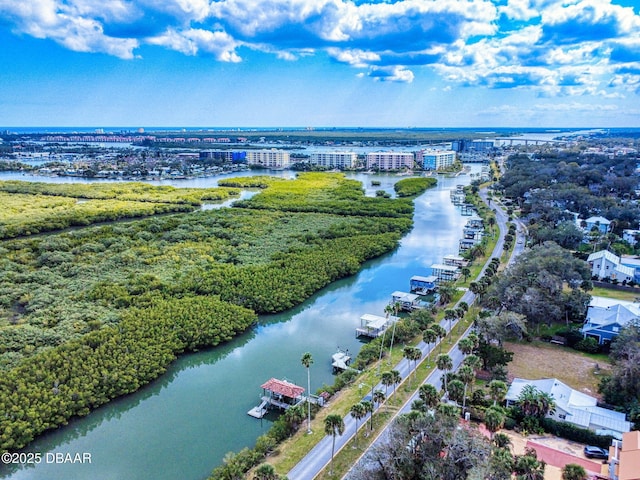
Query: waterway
x: 182, y: 425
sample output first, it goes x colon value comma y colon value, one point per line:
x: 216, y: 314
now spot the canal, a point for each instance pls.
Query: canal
x: 182, y: 425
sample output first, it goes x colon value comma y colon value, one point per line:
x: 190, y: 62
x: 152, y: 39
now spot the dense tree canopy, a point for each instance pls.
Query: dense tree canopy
x: 544, y: 284
x: 97, y: 312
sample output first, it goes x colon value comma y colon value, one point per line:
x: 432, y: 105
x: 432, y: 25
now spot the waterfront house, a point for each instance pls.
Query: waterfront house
x: 573, y: 407
x: 422, y: 285
x: 466, y: 243
x: 475, y: 222
x: 374, y: 325
x: 407, y: 301
x: 455, y: 260
x: 445, y: 273
x: 606, y: 316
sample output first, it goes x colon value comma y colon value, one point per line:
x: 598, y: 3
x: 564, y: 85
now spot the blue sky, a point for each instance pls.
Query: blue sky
x: 405, y: 63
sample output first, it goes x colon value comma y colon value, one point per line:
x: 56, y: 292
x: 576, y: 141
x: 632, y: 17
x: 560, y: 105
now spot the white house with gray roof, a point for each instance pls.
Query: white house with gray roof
x: 605, y: 264
x: 574, y: 407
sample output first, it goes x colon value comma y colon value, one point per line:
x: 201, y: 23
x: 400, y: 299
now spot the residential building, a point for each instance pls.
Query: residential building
x: 390, y: 160
x: 606, y: 316
x: 573, y: 407
x: 435, y: 159
x: 484, y: 146
x: 423, y: 285
x: 601, y: 223
x: 624, y: 457
x: 407, y: 301
x: 631, y: 236
x: 474, y: 222
x: 632, y: 261
x: 455, y: 260
x: 272, y: 158
x: 224, y: 156
x: 605, y: 264
x: 334, y: 159
x: 445, y: 273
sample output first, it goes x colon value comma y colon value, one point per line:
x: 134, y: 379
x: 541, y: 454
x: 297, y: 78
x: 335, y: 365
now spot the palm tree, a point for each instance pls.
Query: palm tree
x: 413, y: 354
x: 307, y: 361
x: 368, y: 408
x: 445, y: 364
x: 455, y: 389
x: 450, y: 314
x: 378, y: 397
x: 265, y: 472
x: 497, y: 390
x: 501, y: 440
x: 466, y: 272
x: 473, y: 361
x: 387, y: 381
x: 528, y: 467
x: 294, y: 416
x: 333, y: 425
x: 448, y: 410
x: 440, y: 333
x: 429, y: 395
x: 396, y: 378
x: 573, y: 471
x: 358, y: 412
x: 494, y: 419
x: 395, y: 308
x: 429, y: 336
x: 446, y: 292
x: 467, y: 375
x: 535, y: 403
x: 465, y: 345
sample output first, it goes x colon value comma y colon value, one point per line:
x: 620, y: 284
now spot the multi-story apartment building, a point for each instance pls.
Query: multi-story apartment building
x: 334, y: 159
x: 435, y: 159
x: 272, y: 158
x: 224, y: 156
x: 390, y: 160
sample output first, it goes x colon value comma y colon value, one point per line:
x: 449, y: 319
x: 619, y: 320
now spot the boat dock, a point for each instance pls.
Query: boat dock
x: 374, y: 325
x: 280, y: 394
x: 340, y: 361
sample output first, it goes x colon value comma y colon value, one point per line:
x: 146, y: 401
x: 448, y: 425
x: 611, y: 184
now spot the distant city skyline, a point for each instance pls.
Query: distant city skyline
x: 320, y: 63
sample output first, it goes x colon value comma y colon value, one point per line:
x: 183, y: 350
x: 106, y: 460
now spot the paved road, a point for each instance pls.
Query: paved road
x: 318, y: 458
x: 320, y: 455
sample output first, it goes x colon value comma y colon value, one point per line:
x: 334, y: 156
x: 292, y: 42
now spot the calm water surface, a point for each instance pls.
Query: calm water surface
x: 181, y: 426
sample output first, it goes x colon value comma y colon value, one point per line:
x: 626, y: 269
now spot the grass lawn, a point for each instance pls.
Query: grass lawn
x: 617, y: 294
x: 543, y: 360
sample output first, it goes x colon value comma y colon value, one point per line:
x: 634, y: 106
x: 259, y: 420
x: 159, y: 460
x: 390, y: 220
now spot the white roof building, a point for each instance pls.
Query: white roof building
x: 574, y: 407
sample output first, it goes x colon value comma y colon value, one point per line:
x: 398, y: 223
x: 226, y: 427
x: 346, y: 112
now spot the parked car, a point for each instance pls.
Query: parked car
x: 595, y: 452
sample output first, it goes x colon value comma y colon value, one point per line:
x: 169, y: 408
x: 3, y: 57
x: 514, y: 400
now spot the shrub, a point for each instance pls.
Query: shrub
x: 589, y: 345
x: 510, y: 423
x: 575, y: 433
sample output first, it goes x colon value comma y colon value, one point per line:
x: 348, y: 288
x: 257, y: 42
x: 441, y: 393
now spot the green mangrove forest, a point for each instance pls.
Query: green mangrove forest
x: 96, y: 312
